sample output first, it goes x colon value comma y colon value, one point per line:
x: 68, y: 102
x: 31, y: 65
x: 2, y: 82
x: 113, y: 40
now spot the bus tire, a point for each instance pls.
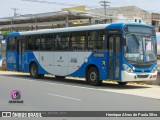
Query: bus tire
x: 59, y: 77
x: 122, y: 83
x: 92, y: 77
x: 34, y: 71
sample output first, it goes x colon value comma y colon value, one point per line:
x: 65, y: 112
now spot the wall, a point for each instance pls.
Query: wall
x: 126, y: 14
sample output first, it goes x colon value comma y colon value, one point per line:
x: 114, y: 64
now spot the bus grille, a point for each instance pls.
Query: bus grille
x: 142, y: 66
x: 142, y: 76
x: 141, y: 70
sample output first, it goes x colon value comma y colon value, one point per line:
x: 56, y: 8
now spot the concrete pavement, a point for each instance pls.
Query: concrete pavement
x: 68, y: 94
x: 150, y: 91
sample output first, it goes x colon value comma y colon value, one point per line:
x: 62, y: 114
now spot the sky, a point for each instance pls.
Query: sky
x: 25, y: 7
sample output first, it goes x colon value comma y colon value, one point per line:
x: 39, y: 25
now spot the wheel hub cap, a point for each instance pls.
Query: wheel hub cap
x: 93, y: 76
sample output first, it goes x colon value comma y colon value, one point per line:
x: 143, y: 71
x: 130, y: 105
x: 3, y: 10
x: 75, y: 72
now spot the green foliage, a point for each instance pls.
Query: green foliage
x: 5, y: 32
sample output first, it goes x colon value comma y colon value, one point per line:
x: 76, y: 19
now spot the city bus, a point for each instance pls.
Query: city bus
x: 121, y: 52
x: 2, y: 49
x: 158, y: 44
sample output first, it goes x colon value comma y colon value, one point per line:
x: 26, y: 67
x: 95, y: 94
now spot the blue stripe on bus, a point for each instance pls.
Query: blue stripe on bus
x: 30, y: 57
x: 0, y: 57
x: 12, y: 62
x: 94, y: 61
x: 121, y: 25
x: 13, y: 34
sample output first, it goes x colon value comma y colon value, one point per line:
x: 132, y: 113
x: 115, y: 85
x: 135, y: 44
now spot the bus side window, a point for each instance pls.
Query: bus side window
x: 92, y: 40
x: 77, y: 41
x: 100, y: 40
x: 48, y: 41
x: 30, y: 43
x: 12, y: 43
x: 96, y: 40
x: 70, y: 42
x: 65, y: 41
x: 9, y: 45
x: 57, y: 42
x: 34, y: 42
x: 48, y: 46
x: 37, y: 42
x: 24, y: 42
x: 43, y: 43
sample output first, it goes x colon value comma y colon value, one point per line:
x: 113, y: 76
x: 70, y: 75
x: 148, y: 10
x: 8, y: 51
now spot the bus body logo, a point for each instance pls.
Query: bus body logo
x: 16, y: 94
x: 60, y: 59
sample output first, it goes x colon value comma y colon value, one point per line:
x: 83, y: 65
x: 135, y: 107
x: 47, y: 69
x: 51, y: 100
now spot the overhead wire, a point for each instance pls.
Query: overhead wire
x: 58, y: 3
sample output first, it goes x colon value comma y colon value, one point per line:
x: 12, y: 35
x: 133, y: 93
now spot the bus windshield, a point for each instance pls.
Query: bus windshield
x: 140, y: 47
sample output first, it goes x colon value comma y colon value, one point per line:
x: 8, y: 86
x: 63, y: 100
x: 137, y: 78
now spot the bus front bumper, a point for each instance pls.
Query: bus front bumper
x: 138, y: 77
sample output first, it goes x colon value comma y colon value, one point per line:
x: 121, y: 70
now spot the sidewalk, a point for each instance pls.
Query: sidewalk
x: 149, y: 91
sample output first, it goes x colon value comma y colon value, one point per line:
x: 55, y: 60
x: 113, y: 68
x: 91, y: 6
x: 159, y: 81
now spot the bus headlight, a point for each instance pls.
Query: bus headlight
x: 154, y: 69
x: 127, y: 68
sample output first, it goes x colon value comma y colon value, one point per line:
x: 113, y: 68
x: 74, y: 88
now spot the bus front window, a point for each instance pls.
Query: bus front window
x: 140, y: 48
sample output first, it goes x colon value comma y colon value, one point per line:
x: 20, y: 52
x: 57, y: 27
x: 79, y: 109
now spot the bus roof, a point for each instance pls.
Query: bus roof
x: 78, y: 28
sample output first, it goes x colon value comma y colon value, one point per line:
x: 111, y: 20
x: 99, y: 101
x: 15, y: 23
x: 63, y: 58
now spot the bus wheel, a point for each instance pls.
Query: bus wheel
x: 122, y: 83
x: 92, y: 77
x: 34, y: 71
x: 59, y: 77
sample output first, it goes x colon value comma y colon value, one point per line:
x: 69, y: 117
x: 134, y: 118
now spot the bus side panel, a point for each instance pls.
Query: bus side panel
x: 77, y: 63
x: 62, y: 63
x: 25, y: 66
x: 11, y: 60
x: 30, y: 57
x: 46, y: 60
x: 98, y: 59
x: 1, y: 59
x: 101, y: 61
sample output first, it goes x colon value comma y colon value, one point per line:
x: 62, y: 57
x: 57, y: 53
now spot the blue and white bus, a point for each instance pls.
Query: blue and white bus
x: 120, y: 51
x: 1, y: 49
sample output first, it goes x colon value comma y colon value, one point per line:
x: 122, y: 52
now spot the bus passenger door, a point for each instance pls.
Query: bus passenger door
x: 114, y: 57
x: 19, y: 61
x: 21, y: 49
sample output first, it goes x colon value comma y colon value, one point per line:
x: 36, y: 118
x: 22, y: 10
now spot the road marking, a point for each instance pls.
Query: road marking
x: 64, y: 97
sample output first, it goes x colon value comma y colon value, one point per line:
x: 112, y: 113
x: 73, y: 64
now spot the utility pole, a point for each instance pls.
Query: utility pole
x: 104, y: 4
x: 15, y: 14
x: 14, y: 10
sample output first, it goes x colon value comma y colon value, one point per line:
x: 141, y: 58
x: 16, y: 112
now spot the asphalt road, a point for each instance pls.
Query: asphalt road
x: 51, y: 94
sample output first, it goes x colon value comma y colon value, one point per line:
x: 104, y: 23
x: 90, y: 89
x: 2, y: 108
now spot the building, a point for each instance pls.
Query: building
x: 67, y: 17
x: 130, y: 14
x: 79, y: 15
x: 156, y: 21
